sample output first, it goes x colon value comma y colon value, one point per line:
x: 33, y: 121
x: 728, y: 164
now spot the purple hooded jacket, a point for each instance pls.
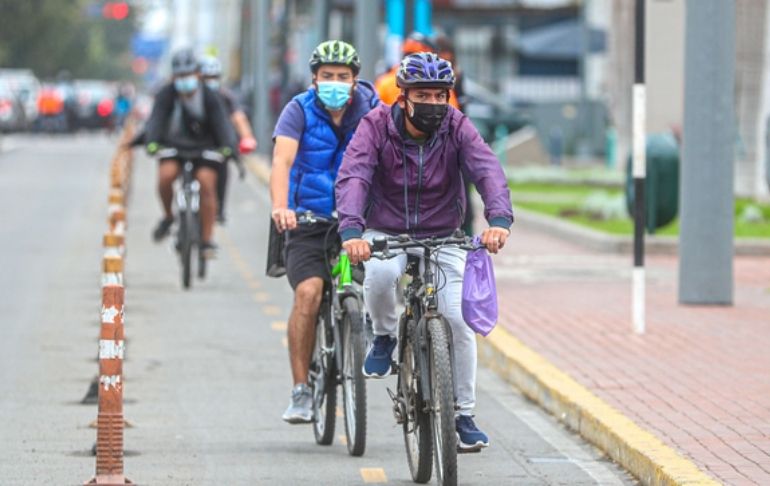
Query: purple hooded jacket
x: 389, y: 182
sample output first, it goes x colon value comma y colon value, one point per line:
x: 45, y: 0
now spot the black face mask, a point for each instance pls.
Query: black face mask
x: 427, y: 116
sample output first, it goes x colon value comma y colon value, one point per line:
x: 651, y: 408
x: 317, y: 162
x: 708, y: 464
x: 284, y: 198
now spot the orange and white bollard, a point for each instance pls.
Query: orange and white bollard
x: 114, y: 244
x: 117, y: 218
x: 109, y: 434
x: 112, y: 270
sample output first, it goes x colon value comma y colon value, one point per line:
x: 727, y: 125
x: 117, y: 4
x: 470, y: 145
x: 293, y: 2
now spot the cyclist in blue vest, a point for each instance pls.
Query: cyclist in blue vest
x: 310, y: 137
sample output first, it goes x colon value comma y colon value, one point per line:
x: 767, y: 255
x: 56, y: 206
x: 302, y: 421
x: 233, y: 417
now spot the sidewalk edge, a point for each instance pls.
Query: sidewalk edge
x: 599, y: 241
x: 637, y: 450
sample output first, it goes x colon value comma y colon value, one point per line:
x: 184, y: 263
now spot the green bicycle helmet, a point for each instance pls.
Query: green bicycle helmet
x: 335, y: 52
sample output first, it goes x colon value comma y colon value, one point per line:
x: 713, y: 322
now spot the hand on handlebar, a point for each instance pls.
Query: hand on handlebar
x: 358, y: 250
x: 285, y: 219
x: 494, y: 238
x: 152, y: 148
x: 247, y: 145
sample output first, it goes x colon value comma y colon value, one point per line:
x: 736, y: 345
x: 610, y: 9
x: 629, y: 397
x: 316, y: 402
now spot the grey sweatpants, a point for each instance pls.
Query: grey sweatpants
x: 380, y: 285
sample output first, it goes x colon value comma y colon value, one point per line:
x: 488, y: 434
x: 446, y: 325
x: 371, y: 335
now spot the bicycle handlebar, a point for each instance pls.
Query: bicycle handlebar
x: 381, y: 245
x: 191, y: 154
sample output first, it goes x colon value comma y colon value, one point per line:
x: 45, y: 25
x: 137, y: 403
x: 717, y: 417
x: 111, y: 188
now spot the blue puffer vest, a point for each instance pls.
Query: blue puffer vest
x: 311, y: 183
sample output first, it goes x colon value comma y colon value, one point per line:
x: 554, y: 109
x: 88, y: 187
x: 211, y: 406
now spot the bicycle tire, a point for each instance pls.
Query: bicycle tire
x: 325, y: 381
x: 418, y: 438
x: 353, y: 380
x: 442, y: 398
x: 186, y: 228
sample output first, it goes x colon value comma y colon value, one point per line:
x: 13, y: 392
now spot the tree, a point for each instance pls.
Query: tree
x: 49, y: 36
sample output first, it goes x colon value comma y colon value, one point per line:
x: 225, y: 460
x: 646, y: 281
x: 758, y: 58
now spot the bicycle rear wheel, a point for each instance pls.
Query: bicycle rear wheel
x: 416, y: 421
x: 323, y: 379
x: 353, y: 382
x: 442, y: 398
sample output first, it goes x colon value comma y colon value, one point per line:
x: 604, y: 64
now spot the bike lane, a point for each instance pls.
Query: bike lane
x: 206, y: 371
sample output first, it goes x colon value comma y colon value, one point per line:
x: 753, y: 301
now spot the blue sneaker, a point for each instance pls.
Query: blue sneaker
x: 469, y: 437
x: 378, y: 359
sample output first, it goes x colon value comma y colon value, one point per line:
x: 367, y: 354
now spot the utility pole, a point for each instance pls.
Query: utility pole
x: 321, y: 20
x: 639, y: 170
x: 367, y: 21
x: 260, y: 10
x: 706, y: 230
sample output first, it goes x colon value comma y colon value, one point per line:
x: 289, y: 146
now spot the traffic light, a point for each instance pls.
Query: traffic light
x: 115, y: 10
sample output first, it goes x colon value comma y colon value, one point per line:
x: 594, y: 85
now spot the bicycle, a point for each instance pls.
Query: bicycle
x: 424, y: 401
x: 338, y: 354
x: 188, y: 237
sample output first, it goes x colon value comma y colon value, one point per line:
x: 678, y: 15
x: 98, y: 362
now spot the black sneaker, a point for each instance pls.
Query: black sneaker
x: 221, y: 218
x: 163, y: 229
x: 209, y: 250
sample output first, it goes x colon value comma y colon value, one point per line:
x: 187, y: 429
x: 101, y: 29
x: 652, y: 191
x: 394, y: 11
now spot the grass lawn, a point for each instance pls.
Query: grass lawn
x: 567, y: 202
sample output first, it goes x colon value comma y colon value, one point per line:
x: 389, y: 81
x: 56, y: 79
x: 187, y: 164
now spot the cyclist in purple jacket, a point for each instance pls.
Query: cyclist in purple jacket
x: 403, y: 172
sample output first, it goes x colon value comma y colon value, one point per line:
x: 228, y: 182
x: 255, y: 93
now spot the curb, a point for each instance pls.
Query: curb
x: 637, y: 450
x: 598, y: 241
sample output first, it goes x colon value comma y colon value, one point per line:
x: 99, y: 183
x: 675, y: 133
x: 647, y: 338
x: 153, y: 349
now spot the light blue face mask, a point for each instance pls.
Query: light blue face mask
x: 334, y: 94
x: 214, y: 84
x: 186, y: 84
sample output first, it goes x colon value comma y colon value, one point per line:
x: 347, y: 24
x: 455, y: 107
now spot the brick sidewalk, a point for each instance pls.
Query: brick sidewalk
x: 699, y: 379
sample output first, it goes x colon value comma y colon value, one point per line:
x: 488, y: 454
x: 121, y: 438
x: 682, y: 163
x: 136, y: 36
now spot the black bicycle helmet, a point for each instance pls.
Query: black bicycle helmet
x: 335, y: 52
x: 184, y: 61
x: 425, y: 70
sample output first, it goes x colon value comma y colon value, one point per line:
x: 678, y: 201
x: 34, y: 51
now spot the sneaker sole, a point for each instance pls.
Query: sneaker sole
x: 464, y: 448
x: 295, y: 420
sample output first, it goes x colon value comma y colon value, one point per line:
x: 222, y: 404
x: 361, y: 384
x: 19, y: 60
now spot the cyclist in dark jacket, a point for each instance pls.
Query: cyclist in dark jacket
x: 188, y: 115
x: 404, y: 172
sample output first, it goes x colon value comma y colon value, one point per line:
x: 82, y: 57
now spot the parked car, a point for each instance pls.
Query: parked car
x: 95, y: 104
x: 11, y: 110
x: 25, y: 85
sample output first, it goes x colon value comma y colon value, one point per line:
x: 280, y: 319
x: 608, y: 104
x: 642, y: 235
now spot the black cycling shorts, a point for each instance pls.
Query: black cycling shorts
x: 307, y: 250
x: 197, y: 163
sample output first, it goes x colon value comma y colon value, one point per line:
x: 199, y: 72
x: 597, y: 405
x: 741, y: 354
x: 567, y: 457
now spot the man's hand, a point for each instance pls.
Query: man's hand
x: 358, y: 250
x: 247, y: 145
x: 152, y: 148
x: 494, y: 238
x: 285, y: 219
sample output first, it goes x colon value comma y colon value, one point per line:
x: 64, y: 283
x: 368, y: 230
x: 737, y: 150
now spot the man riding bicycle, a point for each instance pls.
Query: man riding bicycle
x: 211, y: 72
x: 188, y: 115
x: 310, y: 137
x: 404, y: 172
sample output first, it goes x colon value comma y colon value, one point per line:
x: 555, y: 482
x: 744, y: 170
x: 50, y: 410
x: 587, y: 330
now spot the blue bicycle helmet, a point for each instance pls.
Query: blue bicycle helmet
x: 425, y: 70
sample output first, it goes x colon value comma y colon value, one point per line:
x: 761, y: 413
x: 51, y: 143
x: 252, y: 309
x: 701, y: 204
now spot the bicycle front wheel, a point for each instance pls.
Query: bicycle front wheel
x: 442, y: 399
x: 414, y: 418
x: 323, y: 380
x: 187, y: 227
x: 353, y: 382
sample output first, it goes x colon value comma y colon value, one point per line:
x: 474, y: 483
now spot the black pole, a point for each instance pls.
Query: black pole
x: 639, y: 168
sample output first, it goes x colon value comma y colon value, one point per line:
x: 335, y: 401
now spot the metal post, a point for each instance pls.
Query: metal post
x: 395, y: 11
x: 261, y: 11
x: 367, y: 19
x: 422, y: 17
x: 706, y: 230
x: 321, y: 20
x: 639, y: 171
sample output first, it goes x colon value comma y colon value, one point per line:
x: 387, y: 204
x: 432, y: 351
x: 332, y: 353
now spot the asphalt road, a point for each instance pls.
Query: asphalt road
x: 206, y: 370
